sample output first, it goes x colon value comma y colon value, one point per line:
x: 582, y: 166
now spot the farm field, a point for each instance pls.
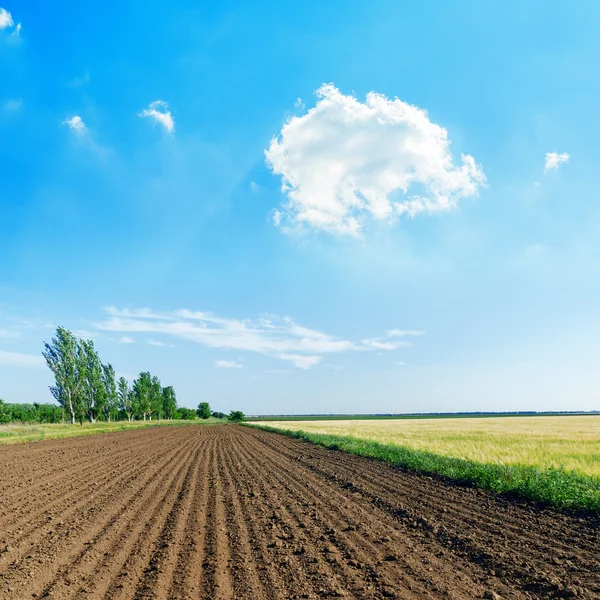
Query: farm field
x: 20, y: 432
x: 572, y: 442
x: 235, y: 512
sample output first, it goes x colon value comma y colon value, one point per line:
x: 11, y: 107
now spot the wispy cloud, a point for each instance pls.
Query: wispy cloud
x: 228, y: 364
x: 159, y: 112
x: 76, y: 124
x: 273, y: 336
x: 390, y: 341
x: 346, y: 162
x: 126, y: 340
x: 16, y: 359
x: 554, y: 160
x: 159, y: 344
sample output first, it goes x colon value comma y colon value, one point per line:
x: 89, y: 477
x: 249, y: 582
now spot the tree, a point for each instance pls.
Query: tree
x: 5, y: 413
x: 142, y: 393
x: 169, y: 402
x: 187, y: 414
x: 156, y: 405
x: 236, y: 416
x: 94, y: 393
x: 204, y: 410
x: 63, y: 357
x: 110, y: 391
x: 125, y: 398
x: 219, y: 415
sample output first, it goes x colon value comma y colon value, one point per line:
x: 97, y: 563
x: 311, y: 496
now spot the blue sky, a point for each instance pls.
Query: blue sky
x: 306, y: 207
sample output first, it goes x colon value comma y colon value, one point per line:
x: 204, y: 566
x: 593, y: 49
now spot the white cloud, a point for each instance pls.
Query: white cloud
x: 254, y: 186
x: 159, y: 112
x: 554, y: 160
x: 76, y: 124
x: 403, y: 332
x: 228, y: 364
x: 345, y: 162
x: 17, y: 30
x: 385, y: 343
x: 159, y: 344
x: 6, y: 19
x: 126, y: 340
x: 16, y: 359
x: 273, y: 336
x: 299, y: 104
x: 400, y: 364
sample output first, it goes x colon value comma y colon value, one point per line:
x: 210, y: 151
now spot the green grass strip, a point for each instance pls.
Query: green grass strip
x: 553, y: 486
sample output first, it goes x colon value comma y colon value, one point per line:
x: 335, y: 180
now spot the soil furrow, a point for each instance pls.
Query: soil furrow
x: 230, y: 512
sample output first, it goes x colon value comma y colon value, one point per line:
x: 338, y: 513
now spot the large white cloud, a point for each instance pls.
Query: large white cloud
x: 345, y: 161
x: 276, y: 337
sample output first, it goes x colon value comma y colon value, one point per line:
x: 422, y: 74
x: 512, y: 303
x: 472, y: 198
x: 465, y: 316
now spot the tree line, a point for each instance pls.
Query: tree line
x: 86, y: 388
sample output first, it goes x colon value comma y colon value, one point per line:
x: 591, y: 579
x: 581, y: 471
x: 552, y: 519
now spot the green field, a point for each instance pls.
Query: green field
x: 550, y: 458
x: 17, y: 432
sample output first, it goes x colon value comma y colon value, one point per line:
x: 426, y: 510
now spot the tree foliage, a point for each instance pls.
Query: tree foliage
x: 169, y: 402
x: 187, y: 414
x: 110, y: 392
x: 204, y: 410
x: 85, y: 388
x: 93, y: 390
x: 63, y: 357
x: 126, y: 400
x: 4, y: 413
x: 236, y: 416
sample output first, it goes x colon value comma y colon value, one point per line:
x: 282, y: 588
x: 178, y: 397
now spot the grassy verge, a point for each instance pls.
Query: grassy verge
x: 17, y: 432
x: 554, y: 486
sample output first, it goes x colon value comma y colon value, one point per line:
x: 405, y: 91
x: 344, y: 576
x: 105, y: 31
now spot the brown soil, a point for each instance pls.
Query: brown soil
x: 229, y: 512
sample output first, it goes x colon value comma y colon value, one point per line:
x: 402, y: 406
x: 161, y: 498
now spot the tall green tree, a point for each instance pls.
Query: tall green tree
x: 142, y: 393
x: 93, y: 391
x: 156, y: 404
x: 64, y: 358
x: 110, y: 391
x: 125, y: 399
x: 169, y: 402
x: 204, y: 411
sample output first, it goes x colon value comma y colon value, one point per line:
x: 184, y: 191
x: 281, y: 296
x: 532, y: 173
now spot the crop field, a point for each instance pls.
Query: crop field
x: 236, y: 512
x: 571, y: 442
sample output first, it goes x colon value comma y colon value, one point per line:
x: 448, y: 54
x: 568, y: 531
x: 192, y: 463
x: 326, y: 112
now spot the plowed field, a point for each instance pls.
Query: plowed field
x: 230, y: 512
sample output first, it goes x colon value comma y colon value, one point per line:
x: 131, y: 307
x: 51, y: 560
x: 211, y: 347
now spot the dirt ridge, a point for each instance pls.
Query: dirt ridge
x: 231, y: 512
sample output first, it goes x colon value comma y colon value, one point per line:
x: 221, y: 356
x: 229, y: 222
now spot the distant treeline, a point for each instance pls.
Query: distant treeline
x: 86, y: 388
x: 456, y: 415
x: 30, y: 413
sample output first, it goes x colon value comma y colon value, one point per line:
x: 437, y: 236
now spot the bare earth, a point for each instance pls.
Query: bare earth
x: 230, y: 512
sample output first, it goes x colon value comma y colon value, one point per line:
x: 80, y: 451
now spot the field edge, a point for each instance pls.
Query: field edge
x: 551, y: 486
